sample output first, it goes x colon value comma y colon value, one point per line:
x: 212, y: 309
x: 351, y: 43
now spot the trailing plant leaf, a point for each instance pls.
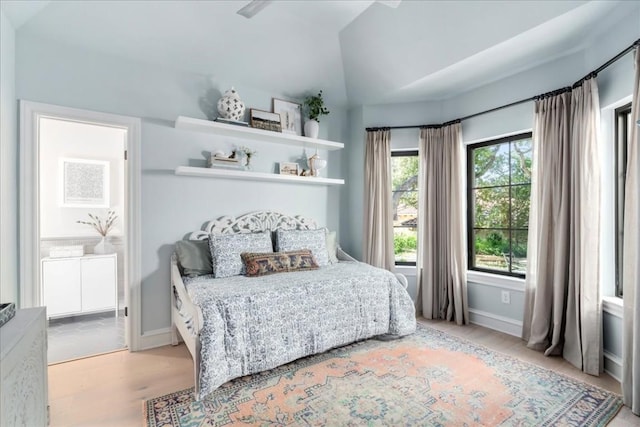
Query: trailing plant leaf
x: 315, y: 106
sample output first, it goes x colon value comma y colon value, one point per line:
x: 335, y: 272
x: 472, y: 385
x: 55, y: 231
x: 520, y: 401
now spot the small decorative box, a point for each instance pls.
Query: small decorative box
x: 7, y: 311
x: 66, y: 251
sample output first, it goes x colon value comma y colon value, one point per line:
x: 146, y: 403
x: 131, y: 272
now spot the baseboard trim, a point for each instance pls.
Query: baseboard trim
x: 155, y: 338
x: 613, y: 365
x: 496, y: 322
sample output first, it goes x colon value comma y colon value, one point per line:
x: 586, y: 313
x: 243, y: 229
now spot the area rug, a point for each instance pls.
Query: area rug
x: 429, y: 378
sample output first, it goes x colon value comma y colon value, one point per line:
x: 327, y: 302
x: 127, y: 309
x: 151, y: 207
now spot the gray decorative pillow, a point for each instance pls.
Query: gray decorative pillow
x: 332, y: 246
x: 295, y: 240
x: 194, y: 257
x: 226, y: 250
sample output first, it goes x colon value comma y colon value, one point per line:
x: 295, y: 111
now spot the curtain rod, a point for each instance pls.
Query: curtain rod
x: 522, y: 101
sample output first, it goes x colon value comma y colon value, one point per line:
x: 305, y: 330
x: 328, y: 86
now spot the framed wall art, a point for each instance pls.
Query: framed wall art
x: 289, y: 168
x: 290, y: 116
x: 265, y: 120
x: 84, y: 183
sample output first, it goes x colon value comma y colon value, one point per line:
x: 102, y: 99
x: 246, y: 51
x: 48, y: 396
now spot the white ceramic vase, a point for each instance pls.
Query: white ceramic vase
x: 103, y: 247
x: 311, y: 128
x: 230, y: 106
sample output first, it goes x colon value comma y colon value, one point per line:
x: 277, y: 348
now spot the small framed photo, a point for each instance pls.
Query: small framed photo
x: 265, y: 120
x: 84, y: 183
x: 290, y: 116
x: 289, y: 168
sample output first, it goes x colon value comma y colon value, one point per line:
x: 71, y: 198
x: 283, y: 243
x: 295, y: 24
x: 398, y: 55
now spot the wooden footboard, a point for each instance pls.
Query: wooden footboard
x: 179, y: 328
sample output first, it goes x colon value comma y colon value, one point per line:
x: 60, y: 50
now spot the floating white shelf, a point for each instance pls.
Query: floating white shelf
x: 254, y: 176
x: 249, y: 133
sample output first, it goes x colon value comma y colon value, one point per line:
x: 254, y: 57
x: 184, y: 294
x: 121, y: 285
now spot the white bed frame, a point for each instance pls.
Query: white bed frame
x: 249, y: 223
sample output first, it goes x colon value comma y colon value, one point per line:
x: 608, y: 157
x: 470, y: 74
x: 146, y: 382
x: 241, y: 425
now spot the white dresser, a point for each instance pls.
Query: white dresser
x: 23, y: 369
x: 80, y: 285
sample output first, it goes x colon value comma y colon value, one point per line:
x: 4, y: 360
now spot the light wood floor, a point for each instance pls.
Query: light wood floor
x: 109, y: 390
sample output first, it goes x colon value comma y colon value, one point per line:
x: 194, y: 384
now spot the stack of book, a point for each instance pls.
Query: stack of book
x: 231, y: 122
x: 217, y: 160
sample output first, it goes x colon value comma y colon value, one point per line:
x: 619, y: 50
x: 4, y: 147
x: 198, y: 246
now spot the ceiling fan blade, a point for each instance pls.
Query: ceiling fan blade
x: 253, y: 7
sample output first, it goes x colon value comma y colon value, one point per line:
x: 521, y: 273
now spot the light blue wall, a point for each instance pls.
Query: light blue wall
x: 612, y: 338
x: 173, y: 206
x: 614, y: 83
x: 487, y: 299
x: 353, y: 196
x: 8, y: 165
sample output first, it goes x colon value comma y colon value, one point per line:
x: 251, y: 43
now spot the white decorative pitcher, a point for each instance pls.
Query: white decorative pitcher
x: 311, y: 128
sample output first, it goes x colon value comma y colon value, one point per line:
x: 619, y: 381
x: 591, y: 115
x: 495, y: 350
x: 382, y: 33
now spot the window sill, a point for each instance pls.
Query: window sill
x: 497, y: 280
x: 407, y: 270
x: 612, y: 305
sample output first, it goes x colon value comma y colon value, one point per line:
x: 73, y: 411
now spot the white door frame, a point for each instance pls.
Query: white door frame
x: 30, y: 114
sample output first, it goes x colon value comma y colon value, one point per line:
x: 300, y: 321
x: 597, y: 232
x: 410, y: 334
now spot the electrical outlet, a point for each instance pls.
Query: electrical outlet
x: 506, y: 297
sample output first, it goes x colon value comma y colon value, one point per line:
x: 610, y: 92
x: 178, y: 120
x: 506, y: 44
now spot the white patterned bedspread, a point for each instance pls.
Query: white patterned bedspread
x: 252, y: 324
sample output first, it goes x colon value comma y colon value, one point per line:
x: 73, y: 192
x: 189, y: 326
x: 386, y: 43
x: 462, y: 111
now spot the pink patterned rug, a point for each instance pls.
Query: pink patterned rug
x: 428, y: 378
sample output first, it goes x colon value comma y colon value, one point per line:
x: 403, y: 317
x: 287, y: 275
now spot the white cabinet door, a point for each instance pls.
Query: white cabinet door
x: 62, y: 287
x: 98, y: 283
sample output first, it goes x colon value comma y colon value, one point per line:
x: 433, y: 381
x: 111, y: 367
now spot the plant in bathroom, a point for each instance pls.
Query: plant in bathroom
x: 102, y: 226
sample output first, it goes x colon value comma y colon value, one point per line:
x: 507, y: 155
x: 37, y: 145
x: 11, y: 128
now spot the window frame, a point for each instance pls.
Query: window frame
x: 406, y: 153
x: 471, y: 207
x: 622, y: 115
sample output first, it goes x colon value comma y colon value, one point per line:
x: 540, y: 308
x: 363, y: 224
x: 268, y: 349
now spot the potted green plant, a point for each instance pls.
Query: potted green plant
x: 314, y: 105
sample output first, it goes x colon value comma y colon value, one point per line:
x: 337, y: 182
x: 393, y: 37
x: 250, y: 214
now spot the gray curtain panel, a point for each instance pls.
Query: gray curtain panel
x: 378, y: 208
x: 562, y: 293
x: 442, y: 257
x: 631, y: 259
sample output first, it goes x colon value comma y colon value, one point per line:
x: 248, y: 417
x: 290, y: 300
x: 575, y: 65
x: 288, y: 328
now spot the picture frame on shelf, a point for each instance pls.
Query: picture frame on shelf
x: 265, y: 120
x: 289, y: 168
x: 290, y: 115
x: 84, y: 183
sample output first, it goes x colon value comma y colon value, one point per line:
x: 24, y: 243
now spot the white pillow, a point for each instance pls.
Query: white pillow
x: 314, y: 240
x: 226, y: 250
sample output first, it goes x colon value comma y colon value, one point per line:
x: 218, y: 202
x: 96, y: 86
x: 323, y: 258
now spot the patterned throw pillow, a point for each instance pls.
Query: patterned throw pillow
x: 314, y: 240
x: 278, y: 262
x: 226, y: 250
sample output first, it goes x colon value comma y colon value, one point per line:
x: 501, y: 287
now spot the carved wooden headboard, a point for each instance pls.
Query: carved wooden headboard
x: 252, y: 223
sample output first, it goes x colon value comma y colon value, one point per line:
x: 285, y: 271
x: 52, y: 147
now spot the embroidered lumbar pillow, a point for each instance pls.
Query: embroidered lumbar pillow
x: 261, y: 264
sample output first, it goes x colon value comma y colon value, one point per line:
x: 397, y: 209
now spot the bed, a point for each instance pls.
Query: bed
x: 238, y: 325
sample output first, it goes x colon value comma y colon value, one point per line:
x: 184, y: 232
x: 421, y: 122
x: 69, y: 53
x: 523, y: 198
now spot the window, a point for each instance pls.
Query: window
x: 498, y: 198
x: 623, y: 133
x: 404, y: 166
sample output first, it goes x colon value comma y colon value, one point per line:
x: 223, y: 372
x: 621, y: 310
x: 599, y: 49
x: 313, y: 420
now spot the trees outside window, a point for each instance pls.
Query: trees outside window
x: 404, y: 166
x: 499, y: 191
x: 623, y: 133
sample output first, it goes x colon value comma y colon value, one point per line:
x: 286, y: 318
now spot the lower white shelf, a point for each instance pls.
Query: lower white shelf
x: 254, y: 176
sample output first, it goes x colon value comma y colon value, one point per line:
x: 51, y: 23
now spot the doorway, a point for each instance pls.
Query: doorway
x: 79, y: 241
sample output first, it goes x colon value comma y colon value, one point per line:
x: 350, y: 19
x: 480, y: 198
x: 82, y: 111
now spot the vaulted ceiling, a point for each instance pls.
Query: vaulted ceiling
x: 358, y: 52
